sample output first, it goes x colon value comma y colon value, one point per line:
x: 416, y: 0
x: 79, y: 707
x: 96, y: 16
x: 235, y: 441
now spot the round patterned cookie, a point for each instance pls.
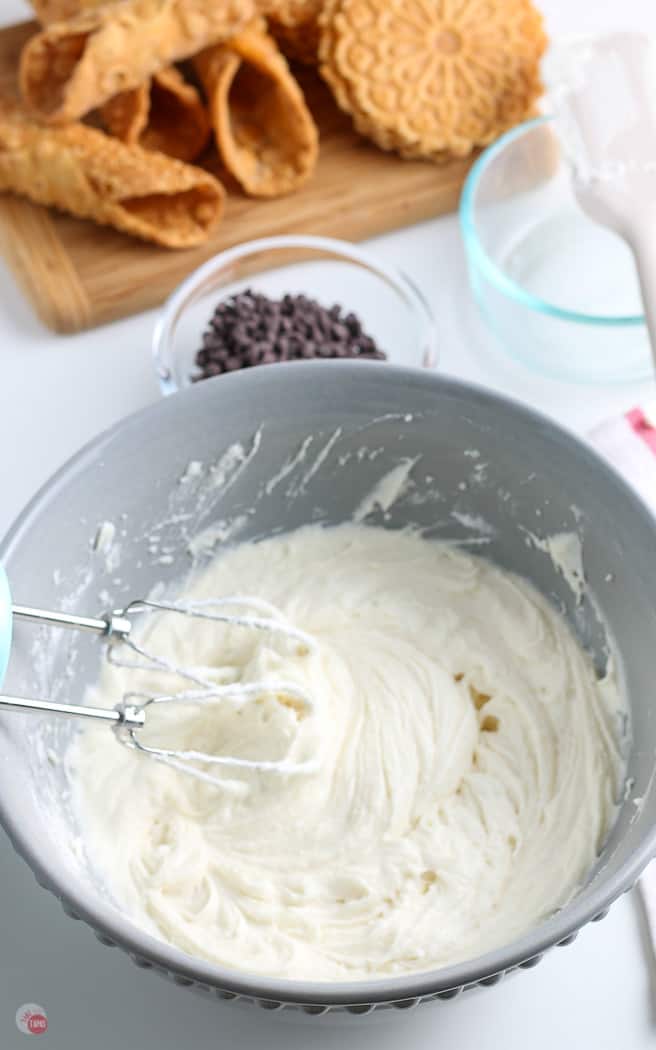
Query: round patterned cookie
x: 429, y: 77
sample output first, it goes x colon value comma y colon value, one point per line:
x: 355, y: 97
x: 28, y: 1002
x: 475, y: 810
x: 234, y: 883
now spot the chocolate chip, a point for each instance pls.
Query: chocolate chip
x: 339, y: 332
x: 250, y: 329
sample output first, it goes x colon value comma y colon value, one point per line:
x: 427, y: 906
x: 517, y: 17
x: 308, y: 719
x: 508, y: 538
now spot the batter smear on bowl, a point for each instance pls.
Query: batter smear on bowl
x: 466, y: 765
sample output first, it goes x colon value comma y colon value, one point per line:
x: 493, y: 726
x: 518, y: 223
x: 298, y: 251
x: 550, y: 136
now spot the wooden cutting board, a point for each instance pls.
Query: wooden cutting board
x: 78, y: 275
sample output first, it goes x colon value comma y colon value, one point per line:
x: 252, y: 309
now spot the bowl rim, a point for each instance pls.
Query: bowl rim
x: 479, y: 258
x: 116, y: 928
x: 394, y: 276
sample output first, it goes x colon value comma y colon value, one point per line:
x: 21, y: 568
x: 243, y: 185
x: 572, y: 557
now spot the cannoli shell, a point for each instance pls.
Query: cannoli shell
x: 295, y: 25
x: 89, y: 174
x: 166, y: 114
x: 74, y: 66
x: 264, y: 131
x: 57, y: 10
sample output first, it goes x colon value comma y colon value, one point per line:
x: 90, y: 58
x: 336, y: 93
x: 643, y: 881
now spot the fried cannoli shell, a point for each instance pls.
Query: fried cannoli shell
x: 89, y: 174
x: 298, y: 43
x: 295, y: 25
x: 48, y: 11
x: 166, y: 114
x: 264, y: 131
x: 74, y: 66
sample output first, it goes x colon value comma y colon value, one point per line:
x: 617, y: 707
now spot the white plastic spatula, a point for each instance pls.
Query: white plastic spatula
x: 603, y: 93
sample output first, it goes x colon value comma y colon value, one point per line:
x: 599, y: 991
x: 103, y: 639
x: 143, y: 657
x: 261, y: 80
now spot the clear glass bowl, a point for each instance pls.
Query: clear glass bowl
x: 390, y: 307
x: 560, y: 292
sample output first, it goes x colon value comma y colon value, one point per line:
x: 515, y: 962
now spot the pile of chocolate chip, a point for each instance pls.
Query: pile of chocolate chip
x: 250, y: 329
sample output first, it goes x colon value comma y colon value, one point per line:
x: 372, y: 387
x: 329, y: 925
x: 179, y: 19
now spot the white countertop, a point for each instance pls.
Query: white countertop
x: 56, y: 393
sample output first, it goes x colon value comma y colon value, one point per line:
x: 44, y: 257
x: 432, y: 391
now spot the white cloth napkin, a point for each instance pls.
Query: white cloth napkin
x: 629, y: 443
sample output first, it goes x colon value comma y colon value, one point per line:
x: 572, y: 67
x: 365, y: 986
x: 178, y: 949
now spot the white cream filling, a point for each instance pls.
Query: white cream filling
x: 467, y: 775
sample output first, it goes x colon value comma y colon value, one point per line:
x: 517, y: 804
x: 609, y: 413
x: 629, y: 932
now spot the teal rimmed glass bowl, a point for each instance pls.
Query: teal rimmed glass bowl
x: 559, y: 292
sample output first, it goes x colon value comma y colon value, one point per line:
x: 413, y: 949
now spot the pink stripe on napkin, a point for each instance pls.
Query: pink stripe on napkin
x: 629, y: 443
x: 642, y: 427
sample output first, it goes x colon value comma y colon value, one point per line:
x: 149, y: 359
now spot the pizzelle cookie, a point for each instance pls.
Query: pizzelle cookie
x: 432, y: 77
x: 86, y: 173
x: 264, y: 131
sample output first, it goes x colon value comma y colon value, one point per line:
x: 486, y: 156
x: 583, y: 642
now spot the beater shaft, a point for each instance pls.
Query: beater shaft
x: 127, y: 715
x: 113, y: 624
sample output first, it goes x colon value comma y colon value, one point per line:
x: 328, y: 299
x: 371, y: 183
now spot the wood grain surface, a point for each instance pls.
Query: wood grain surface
x: 78, y: 275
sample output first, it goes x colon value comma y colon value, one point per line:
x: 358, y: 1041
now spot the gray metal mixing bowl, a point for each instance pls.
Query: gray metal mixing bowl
x: 487, y: 472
